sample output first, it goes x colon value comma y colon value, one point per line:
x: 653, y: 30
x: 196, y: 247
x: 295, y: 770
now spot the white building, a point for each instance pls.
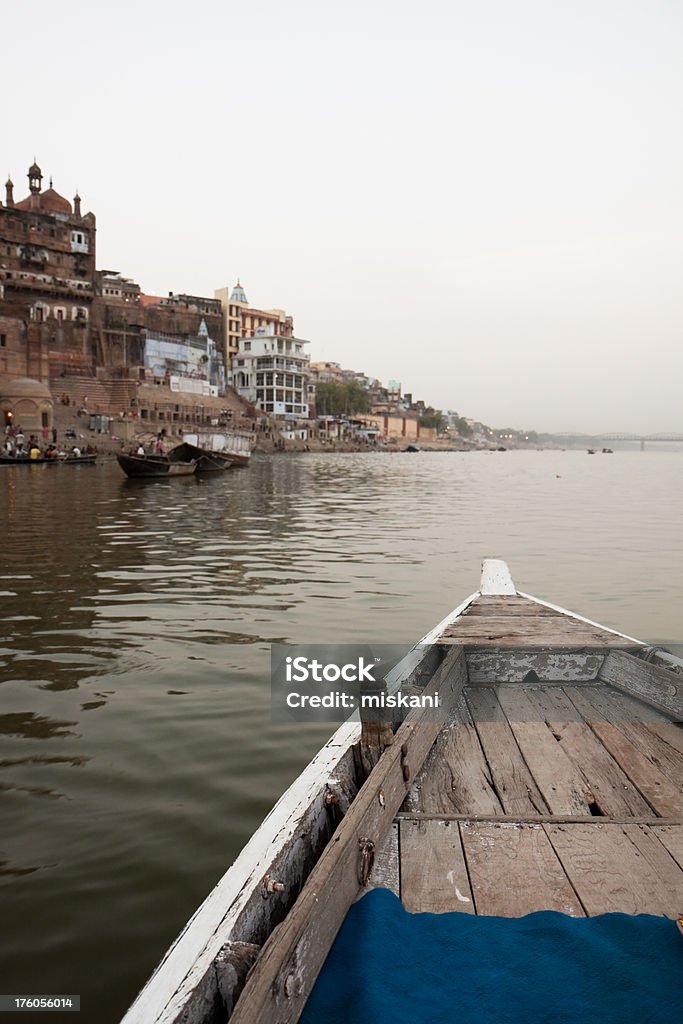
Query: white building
x: 185, y: 358
x: 271, y: 372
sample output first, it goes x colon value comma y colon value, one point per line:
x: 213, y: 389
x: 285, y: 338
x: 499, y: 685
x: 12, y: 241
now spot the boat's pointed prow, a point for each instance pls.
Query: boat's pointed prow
x: 495, y: 577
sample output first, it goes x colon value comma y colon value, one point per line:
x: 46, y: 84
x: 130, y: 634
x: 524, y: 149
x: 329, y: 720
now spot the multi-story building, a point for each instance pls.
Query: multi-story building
x: 47, y: 277
x: 149, y: 337
x: 270, y: 370
x: 327, y: 371
x: 118, y: 320
x: 242, y: 320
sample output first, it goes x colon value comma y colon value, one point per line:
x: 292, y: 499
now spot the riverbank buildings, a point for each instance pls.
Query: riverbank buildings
x: 94, y: 335
x: 47, y: 282
x: 242, y: 320
x: 269, y: 365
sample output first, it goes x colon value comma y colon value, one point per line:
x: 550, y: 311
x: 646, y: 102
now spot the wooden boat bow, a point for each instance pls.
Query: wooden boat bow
x: 550, y: 781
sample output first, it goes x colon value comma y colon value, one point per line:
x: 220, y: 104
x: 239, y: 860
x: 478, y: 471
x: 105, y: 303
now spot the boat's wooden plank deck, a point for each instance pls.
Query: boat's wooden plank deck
x: 614, y: 794
x: 459, y: 776
x: 511, y: 869
x: 433, y: 873
x: 531, y: 751
x: 564, y: 788
x: 513, y: 621
x: 618, y: 868
x: 514, y: 870
x: 513, y: 782
x: 572, y: 781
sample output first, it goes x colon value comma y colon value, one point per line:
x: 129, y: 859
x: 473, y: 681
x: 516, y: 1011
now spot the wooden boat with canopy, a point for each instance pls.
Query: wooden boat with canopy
x: 552, y: 782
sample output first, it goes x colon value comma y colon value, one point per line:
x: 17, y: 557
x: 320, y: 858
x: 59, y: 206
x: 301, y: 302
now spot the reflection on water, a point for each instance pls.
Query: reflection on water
x: 136, y: 748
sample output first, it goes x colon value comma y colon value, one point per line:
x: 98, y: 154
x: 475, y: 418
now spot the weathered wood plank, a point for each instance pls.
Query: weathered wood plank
x: 611, y: 873
x: 663, y: 865
x: 615, y: 705
x: 667, y: 758
x: 553, y: 705
x: 614, y: 793
x: 285, y: 972
x: 645, y: 727
x: 495, y: 577
x: 386, y: 870
x: 513, y: 871
x: 551, y: 631
x: 670, y: 732
x: 512, y: 780
x: 433, y: 873
x: 478, y: 618
x: 562, y: 786
x: 588, y: 642
x: 671, y: 837
x: 514, y: 666
x: 507, y: 606
x: 655, y: 685
x: 520, y: 819
x: 455, y: 776
x: 635, y: 758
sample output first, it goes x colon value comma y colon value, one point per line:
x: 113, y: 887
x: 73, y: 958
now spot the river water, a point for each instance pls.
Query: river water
x: 137, y: 753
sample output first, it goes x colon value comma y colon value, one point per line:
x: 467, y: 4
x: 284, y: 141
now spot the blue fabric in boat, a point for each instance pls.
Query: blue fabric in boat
x: 391, y: 967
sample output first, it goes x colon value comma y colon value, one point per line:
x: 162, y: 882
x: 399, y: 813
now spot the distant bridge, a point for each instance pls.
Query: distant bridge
x: 642, y: 438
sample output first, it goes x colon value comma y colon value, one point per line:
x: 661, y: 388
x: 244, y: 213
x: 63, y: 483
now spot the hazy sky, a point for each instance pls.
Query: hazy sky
x: 481, y: 199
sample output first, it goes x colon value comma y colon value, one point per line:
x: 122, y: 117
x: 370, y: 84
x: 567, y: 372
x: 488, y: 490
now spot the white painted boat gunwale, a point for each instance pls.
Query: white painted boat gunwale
x: 212, y: 925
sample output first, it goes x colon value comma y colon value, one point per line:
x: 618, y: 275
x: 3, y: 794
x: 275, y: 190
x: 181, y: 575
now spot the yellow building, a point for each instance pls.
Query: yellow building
x: 397, y: 426
x: 243, y: 320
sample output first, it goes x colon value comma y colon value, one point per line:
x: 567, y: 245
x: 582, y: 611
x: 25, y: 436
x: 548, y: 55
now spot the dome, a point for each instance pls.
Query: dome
x: 34, y: 171
x: 52, y: 202
x: 48, y: 201
x: 25, y: 387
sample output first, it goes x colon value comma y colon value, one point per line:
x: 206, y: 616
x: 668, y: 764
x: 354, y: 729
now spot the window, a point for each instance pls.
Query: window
x: 247, y: 346
x: 3, y: 340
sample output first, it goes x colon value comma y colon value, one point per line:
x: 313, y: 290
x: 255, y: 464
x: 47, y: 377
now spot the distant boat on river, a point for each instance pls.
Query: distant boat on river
x: 155, y: 466
x: 231, y: 447
x: 68, y: 459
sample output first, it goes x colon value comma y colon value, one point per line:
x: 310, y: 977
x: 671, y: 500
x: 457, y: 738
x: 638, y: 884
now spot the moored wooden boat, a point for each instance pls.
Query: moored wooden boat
x: 556, y: 765
x: 207, y: 461
x: 233, y: 447
x: 68, y: 459
x: 86, y: 459
x: 154, y: 466
x: 21, y: 460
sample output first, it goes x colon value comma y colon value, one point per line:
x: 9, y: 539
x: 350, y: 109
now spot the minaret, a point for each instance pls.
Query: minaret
x: 77, y: 205
x: 35, y: 178
x: 9, y: 192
